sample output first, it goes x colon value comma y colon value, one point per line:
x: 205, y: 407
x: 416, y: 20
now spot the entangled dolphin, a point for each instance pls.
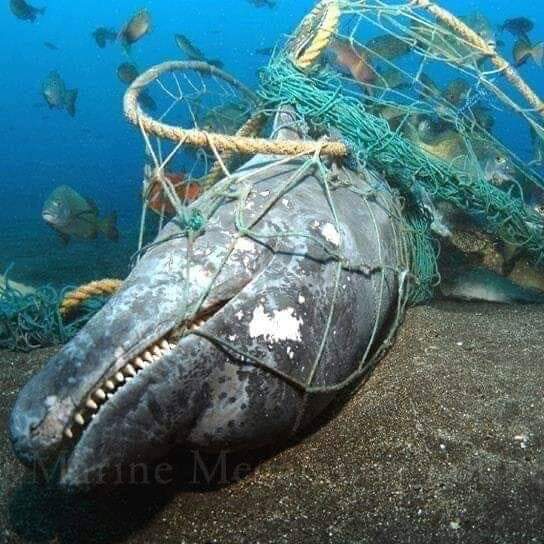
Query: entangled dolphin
x: 234, y: 339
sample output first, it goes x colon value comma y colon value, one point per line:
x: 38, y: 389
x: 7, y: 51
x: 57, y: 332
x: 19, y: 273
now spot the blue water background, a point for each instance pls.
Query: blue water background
x: 98, y: 152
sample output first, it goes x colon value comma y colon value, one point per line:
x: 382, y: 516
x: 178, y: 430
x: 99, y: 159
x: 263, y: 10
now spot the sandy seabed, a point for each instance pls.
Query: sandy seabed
x: 444, y: 443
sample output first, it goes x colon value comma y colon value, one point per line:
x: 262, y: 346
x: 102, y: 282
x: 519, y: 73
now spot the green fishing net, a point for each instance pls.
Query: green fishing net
x: 413, y: 101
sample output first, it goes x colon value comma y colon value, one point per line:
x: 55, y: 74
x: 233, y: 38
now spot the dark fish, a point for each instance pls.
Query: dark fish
x: 388, y: 47
x: 57, y: 95
x: 456, y: 91
x: 136, y: 28
x: 103, y: 35
x: 51, y: 46
x: 392, y: 78
x: 483, y: 284
x: 72, y: 215
x: 442, y: 43
x: 518, y: 26
x: 127, y: 73
x: 192, y: 51
x: 24, y: 11
x: 264, y: 51
x: 483, y: 117
x: 156, y: 197
x: 524, y: 50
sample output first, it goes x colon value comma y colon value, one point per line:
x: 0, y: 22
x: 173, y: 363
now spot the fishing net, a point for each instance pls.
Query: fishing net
x: 32, y: 318
x: 404, y: 92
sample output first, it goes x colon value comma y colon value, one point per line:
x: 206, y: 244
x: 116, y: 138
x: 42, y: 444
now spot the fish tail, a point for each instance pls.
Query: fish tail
x: 538, y: 53
x: 70, y: 101
x: 109, y: 227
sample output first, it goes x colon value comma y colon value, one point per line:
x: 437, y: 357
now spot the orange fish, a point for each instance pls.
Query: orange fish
x: 158, y: 200
x: 352, y: 59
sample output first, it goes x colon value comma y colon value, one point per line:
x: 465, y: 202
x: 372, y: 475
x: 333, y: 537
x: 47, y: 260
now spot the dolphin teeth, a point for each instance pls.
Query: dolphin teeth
x: 79, y: 419
x: 172, y: 346
x: 140, y: 363
x: 91, y: 404
x: 194, y: 327
x: 119, y: 377
x: 200, y: 323
x: 68, y: 433
x: 100, y: 393
x: 157, y: 351
x: 165, y: 345
x: 110, y: 385
x: 148, y: 357
x: 130, y: 370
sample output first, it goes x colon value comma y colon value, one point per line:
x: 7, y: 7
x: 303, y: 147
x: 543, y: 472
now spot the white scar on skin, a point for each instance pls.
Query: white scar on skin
x: 282, y: 325
x: 244, y: 244
x: 331, y: 234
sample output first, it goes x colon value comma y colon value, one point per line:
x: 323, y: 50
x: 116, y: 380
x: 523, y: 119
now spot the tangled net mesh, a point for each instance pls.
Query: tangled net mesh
x: 398, y: 90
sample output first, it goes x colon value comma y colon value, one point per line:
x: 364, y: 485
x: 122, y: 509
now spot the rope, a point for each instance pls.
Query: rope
x: 223, y: 143
x: 85, y: 292
x: 251, y: 127
x: 475, y: 40
x: 329, y: 12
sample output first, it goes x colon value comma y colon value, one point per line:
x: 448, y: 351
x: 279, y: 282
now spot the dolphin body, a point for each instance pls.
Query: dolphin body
x: 206, y: 342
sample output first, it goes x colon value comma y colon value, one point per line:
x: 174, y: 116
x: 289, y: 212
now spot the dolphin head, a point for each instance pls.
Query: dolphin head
x: 226, y: 340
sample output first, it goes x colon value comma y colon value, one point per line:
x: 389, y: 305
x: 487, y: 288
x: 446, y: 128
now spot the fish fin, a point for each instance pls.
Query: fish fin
x: 70, y: 101
x: 109, y: 227
x: 538, y: 53
x: 217, y: 63
x: 488, y: 286
x: 64, y: 238
x: 92, y: 204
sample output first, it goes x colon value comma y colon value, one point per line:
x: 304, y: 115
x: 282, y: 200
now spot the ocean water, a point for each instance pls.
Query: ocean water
x: 97, y: 152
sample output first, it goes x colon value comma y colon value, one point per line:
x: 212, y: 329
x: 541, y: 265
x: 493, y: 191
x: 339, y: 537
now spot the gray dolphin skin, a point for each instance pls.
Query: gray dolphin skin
x: 146, y: 374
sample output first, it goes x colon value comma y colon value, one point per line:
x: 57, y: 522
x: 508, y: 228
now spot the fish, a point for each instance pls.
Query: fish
x: 483, y: 117
x: 387, y: 47
x: 74, y: 216
x: 481, y: 284
x: 518, y: 26
x: 24, y: 11
x: 439, y: 41
x: 127, y: 73
x: 525, y: 50
x: 156, y: 198
x: 265, y: 51
x: 138, y: 26
x: 392, y: 78
x: 193, y: 52
x: 528, y: 275
x: 456, y: 91
x: 51, y: 46
x: 498, y: 169
x: 431, y: 129
x: 191, y: 350
x: 57, y: 95
x: 352, y: 60
x: 103, y: 35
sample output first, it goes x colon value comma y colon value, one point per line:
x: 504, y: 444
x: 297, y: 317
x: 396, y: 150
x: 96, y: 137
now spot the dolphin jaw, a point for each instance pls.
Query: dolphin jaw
x: 135, y: 366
